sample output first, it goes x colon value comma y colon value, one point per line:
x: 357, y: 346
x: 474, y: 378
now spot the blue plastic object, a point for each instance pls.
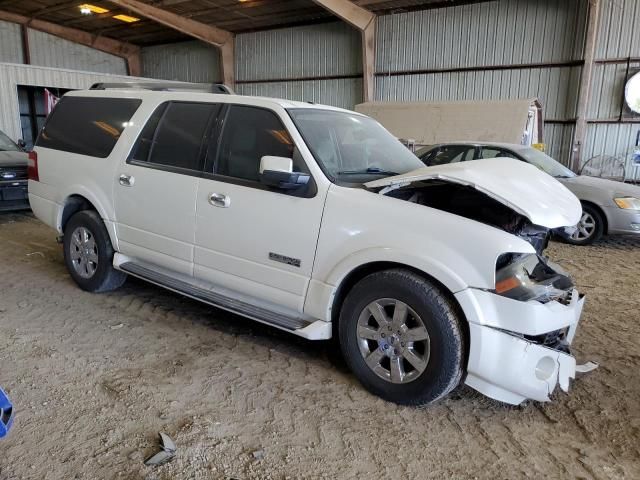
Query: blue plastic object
x: 6, y: 414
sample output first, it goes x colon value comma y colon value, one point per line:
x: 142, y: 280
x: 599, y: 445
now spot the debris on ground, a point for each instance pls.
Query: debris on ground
x: 166, y: 454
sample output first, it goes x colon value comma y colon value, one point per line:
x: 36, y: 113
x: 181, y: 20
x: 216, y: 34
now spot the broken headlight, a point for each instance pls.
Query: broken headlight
x: 531, y: 277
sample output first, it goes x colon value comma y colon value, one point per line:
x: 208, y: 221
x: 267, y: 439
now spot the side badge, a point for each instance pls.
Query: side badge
x: 276, y: 257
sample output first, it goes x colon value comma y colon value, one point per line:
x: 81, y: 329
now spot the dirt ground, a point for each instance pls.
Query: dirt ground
x: 94, y: 378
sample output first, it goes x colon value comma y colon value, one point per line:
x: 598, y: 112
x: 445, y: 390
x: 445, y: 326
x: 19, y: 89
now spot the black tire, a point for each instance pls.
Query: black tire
x: 105, y: 277
x: 438, y: 313
x: 598, y: 229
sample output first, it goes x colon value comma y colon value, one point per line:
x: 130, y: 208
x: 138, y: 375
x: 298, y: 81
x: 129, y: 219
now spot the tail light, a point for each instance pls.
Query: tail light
x: 32, y: 166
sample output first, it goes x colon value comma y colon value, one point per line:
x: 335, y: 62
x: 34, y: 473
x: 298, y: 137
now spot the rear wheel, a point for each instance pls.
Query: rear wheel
x: 590, y: 228
x: 88, y: 253
x: 401, y: 336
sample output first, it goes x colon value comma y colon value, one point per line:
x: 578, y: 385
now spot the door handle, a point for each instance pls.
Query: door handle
x: 126, y: 180
x: 219, y: 200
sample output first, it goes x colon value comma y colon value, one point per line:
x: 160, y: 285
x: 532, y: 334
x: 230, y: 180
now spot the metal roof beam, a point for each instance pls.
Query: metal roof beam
x: 207, y: 33
x: 131, y: 53
x: 365, y: 21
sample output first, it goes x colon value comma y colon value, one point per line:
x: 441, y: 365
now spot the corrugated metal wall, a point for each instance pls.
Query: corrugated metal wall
x: 314, y: 63
x: 50, y: 51
x: 618, y: 50
x: 185, y: 61
x: 10, y: 43
x: 501, y: 49
x: 12, y: 75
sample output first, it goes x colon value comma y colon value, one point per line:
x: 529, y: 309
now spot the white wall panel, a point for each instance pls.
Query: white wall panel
x: 50, y: 51
x: 185, y: 61
x: 10, y: 43
x: 344, y: 93
x: 555, y: 87
x: 482, y: 34
x: 326, y: 49
x: 618, y: 34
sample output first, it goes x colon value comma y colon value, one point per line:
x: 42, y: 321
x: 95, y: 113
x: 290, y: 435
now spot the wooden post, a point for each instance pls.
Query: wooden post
x: 365, y: 21
x: 584, y: 94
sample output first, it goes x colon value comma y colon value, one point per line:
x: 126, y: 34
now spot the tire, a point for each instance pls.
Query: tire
x: 88, y: 253
x: 590, y: 227
x: 428, y: 306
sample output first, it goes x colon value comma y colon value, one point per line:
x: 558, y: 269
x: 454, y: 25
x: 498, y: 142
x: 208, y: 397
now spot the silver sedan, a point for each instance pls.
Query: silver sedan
x: 608, y: 207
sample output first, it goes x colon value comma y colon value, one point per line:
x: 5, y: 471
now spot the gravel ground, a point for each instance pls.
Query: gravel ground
x: 94, y: 378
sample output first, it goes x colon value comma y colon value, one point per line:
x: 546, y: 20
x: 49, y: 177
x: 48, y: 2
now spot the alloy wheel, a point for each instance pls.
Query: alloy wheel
x: 83, y: 252
x: 393, y: 340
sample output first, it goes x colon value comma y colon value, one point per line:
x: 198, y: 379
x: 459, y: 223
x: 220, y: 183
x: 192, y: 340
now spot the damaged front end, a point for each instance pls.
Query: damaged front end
x: 520, y: 330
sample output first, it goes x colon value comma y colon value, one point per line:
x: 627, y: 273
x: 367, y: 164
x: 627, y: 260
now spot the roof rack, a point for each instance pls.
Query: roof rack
x: 166, y: 87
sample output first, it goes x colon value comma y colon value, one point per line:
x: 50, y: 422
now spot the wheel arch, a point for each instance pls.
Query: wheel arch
x: 361, y: 271
x: 75, y: 203
x: 600, y: 210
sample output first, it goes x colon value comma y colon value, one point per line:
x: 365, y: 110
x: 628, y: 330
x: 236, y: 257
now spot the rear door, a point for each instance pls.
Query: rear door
x: 155, y: 190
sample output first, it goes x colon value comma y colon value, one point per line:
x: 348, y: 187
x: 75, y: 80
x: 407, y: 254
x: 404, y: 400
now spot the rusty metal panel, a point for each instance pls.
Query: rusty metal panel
x: 502, y: 32
x: 10, y: 43
x: 618, y: 35
x: 12, y: 75
x: 50, y: 51
x: 555, y: 87
x: 615, y: 139
x: 558, y: 140
x: 344, y: 93
x: 329, y: 49
x: 193, y: 61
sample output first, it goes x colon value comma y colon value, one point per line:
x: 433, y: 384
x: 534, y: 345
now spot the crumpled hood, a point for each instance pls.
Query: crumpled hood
x: 518, y: 185
x: 13, y: 159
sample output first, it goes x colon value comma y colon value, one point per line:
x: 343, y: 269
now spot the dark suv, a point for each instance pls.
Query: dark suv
x: 13, y: 175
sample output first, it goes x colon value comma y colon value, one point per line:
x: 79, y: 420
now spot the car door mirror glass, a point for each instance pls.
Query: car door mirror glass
x: 278, y: 172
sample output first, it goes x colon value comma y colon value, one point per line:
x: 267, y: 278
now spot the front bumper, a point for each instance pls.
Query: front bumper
x: 505, y: 361
x: 13, y: 195
x: 621, y: 221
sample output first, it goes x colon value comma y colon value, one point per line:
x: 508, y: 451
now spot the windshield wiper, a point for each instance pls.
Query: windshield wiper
x: 370, y: 170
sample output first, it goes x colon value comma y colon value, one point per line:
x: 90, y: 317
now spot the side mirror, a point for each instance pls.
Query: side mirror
x: 22, y: 144
x: 278, y: 172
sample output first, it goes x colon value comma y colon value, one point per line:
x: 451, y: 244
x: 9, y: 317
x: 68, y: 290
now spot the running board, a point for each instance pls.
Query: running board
x: 215, y: 299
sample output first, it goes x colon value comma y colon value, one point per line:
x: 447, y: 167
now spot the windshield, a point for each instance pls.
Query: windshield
x: 6, y: 144
x: 545, y: 163
x: 352, y: 148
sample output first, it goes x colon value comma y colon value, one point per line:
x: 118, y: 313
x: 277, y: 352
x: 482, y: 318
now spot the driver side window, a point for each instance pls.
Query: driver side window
x: 249, y: 134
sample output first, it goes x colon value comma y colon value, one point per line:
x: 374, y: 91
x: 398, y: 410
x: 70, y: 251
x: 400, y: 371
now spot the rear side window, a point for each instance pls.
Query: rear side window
x: 87, y: 125
x: 174, y: 134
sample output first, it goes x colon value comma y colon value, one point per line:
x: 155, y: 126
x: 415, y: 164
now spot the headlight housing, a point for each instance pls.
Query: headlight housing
x: 628, y: 203
x: 527, y: 277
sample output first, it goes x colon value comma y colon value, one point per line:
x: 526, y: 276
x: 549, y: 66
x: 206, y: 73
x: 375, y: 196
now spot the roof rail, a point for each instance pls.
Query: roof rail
x: 165, y: 87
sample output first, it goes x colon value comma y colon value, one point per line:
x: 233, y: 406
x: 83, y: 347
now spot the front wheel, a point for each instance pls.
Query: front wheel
x: 590, y: 228
x: 88, y: 253
x: 401, y: 336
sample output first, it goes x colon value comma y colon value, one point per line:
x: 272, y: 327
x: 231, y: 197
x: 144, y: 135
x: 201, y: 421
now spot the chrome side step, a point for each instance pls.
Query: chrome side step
x: 213, y: 298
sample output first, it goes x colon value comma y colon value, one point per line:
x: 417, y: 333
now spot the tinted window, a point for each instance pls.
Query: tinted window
x: 490, y: 152
x: 87, y: 125
x: 179, y: 135
x: 452, y: 154
x: 248, y: 135
x: 143, y: 145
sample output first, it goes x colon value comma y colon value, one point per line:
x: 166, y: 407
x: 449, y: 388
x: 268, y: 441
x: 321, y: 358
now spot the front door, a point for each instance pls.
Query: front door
x: 256, y: 241
x: 155, y: 190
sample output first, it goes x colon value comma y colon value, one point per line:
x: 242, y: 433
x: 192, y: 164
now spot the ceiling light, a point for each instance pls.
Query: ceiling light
x: 87, y: 9
x: 126, y: 18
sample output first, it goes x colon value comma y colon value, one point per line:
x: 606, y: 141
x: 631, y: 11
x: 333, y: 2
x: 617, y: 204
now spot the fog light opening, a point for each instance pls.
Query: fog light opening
x: 635, y: 226
x: 545, y: 368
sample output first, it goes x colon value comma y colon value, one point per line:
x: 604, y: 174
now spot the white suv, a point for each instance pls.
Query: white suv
x: 317, y: 221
